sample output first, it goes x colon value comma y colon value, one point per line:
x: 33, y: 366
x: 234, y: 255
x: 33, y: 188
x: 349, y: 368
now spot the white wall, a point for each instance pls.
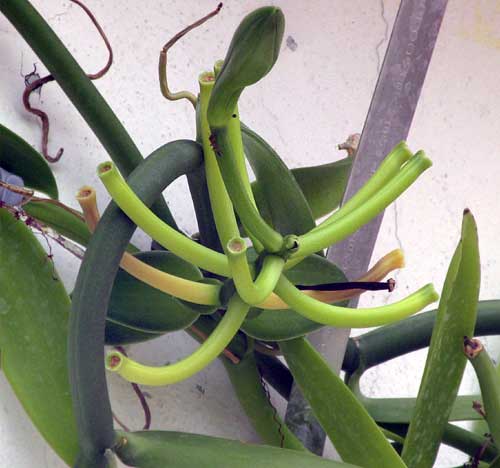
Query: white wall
x: 316, y: 96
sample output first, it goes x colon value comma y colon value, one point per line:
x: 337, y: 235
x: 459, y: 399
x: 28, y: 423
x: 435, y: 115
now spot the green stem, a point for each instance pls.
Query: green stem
x: 222, y: 207
x: 325, y: 236
x: 388, y: 169
x: 79, y: 89
x: 336, y: 316
x: 414, y: 333
x: 251, y: 292
x: 489, y: 384
x: 169, y: 238
x: 185, y: 368
x: 225, y: 150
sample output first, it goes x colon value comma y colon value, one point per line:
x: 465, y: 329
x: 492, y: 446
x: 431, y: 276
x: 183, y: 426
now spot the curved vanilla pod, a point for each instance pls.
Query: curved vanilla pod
x: 185, y: 368
x: 389, y: 262
x: 223, y: 141
x: 168, y: 237
x: 252, y: 53
x: 350, y: 222
x: 93, y: 289
x: 227, y: 227
x: 445, y: 362
x: 489, y: 383
x: 387, y: 170
x: 191, y: 291
x: 251, y: 292
x: 222, y: 207
x: 335, y: 316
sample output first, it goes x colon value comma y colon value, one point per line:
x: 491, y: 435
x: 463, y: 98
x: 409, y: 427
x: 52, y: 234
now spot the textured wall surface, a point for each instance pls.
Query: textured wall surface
x: 318, y: 93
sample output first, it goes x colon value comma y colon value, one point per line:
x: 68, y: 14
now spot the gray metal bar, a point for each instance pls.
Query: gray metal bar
x: 388, y: 122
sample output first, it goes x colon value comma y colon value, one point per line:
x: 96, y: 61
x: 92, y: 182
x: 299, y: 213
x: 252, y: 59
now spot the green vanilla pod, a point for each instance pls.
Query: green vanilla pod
x: 247, y: 383
x: 34, y: 310
x: 79, y: 89
x: 162, y: 449
x: 93, y: 289
x: 354, y: 434
x: 20, y: 158
x: 489, y: 383
x: 445, y: 362
x: 252, y: 53
x: 278, y: 325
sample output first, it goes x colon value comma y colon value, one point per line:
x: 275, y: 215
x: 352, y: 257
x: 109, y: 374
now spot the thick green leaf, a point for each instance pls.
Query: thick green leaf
x: 147, y: 309
x: 117, y: 333
x: 278, y: 196
x: 324, y: 185
x: 446, y: 360
x: 278, y: 325
x: 34, y: 311
x: 355, y: 435
x: 162, y: 449
x: 19, y: 157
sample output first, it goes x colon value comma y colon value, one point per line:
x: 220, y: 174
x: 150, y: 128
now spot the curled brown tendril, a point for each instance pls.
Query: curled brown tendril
x: 37, y: 84
x: 162, y: 65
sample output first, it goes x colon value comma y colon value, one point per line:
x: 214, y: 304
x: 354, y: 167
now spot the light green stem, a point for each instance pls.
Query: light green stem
x: 222, y: 208
x: 270, y: 239
x: 489, y: 384
x: 185, y: 368
x: 389, y: 168
x: 349, y: 223
x: 251, y: 292
x: 335, y: 316
x: 169, y: 238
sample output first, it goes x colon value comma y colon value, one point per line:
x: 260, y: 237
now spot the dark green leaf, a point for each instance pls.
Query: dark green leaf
x: 278, y: 196
x: 34, y: 311
x: 19, y: 157
x: 324, y: 185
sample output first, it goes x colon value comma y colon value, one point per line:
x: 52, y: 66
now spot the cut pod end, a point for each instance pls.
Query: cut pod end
x: 114, y: 361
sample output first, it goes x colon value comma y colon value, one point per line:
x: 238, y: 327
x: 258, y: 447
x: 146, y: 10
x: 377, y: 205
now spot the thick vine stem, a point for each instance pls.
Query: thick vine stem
x: 251, y: 292
x: 354, y: 318
x: 192, y: 291
x: 162, y: 65
x: 350, y: 222
x: 181, y: 370
x: 168, y: 237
